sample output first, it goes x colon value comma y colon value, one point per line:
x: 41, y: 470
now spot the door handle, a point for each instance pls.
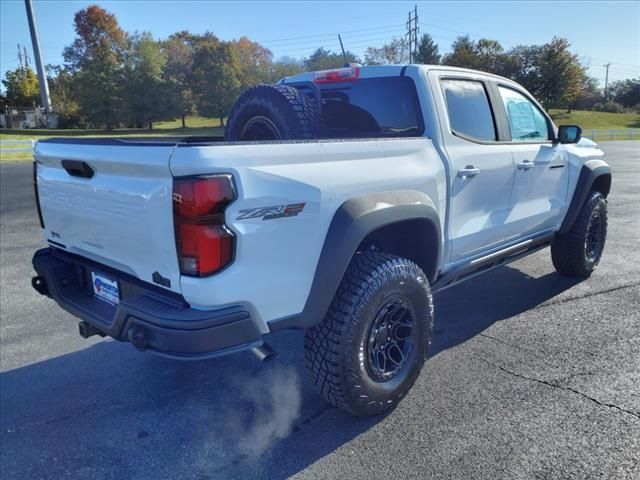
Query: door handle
x: 77, y: 168
x: 525, y: 165
x: 468, y: 171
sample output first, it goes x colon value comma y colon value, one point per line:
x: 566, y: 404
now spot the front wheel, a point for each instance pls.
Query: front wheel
x: 369, y: 349
x: 577, y: 252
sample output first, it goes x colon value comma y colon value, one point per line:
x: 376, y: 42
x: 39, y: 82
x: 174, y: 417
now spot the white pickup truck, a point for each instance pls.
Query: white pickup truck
x: 338, y: 203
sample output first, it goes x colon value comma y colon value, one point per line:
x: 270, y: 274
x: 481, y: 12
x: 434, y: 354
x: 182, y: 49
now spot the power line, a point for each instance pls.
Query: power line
x: 332, y: 38
x: 333, y: 34
x: 348, y: 45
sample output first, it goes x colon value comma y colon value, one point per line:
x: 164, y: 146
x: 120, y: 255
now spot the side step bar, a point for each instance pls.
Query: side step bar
x: 491, y: 261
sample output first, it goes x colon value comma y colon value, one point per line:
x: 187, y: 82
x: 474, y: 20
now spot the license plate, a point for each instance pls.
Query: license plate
x: 105, y: 288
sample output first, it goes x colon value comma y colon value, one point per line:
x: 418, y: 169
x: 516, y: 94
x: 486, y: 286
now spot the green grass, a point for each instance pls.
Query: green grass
x: 199, y: 126
x: 196, y: 126
x: 596, y: 120
x: 192, y: 122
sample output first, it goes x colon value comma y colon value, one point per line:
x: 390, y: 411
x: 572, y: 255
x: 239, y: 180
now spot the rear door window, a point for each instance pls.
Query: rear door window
x: 372, y: 107
x: 469, y: 111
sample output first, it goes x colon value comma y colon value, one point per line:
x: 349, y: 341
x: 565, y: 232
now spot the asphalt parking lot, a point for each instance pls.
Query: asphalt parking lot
x: 532, y: 375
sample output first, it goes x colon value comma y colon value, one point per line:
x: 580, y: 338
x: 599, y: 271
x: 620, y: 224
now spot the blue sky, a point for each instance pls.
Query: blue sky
x: 599, y: 32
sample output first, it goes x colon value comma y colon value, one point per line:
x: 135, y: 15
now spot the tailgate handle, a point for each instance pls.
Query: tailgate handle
x: 77, y: 168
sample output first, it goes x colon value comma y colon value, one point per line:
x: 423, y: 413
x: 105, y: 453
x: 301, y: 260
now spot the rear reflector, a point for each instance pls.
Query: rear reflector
x: 35, y: 190
x: 339, y: 75
x: 204, y: 244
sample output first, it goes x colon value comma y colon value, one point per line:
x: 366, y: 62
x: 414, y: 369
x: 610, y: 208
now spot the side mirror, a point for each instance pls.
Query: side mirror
x: 569, y: 134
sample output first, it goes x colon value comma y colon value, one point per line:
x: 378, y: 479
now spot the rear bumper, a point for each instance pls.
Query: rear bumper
x: 149, y: 317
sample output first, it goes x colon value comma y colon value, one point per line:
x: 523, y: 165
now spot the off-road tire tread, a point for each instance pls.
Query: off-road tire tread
x: 324, y: 342
x: 567, y: 250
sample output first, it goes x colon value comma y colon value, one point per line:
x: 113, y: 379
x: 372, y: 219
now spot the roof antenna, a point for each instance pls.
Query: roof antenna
x: 344, y: 55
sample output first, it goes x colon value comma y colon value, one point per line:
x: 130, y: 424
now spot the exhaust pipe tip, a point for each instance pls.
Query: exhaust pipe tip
x: 40, y: 285
x: 138, y: 338
x: 264, y: 353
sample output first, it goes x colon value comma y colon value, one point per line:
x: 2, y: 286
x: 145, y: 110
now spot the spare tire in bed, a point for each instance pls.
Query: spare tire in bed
x: 272, y: 112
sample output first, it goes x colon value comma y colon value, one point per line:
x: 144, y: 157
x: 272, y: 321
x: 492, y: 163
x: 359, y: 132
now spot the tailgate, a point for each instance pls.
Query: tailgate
x: 110, y: 201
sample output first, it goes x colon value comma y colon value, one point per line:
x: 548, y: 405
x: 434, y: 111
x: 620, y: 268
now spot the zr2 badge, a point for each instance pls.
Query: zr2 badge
x: 271, y: 213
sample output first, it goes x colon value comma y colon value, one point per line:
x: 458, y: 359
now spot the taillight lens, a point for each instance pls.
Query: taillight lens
x: 203, y: 242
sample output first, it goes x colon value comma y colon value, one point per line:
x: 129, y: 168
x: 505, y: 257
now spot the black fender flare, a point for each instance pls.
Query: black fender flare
x: 352, y: 222
x: 591, y: 172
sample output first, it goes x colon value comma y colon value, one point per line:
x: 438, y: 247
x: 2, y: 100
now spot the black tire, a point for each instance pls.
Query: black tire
x: 344, y: 353
x: 577, y: 252
x: 272, y: 112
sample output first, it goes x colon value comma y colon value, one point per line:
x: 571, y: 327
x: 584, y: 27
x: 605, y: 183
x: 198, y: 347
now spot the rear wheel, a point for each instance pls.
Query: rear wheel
x: 272, y: 112
x: 369, y: 349
x: 577, y: 252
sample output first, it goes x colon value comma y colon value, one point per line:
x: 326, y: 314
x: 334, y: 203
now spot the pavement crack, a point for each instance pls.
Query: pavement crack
x: 561, y: 387
x: 586, y: 295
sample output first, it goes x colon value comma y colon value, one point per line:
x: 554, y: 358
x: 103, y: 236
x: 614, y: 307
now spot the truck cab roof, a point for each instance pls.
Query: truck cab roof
x: 377, y: 71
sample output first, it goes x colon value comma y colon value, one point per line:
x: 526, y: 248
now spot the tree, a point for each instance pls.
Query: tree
x: 96, y: 59
x: 323, y: 59
x: 491, y: 57
x: 63, y: 98
x: 254, y: 60
x: 463, y: 53
x: 21, y: 86
x: 145, y: 87
x: 626, y: 92
x: 427, y: 53
x: 215, y: 77
x: 485, y: 55
x: 526, y: 71
x: 560, y: 72
x: 394, y: 52
x: 179, y: 49
x: 588, y: 96
x: 284, y: 67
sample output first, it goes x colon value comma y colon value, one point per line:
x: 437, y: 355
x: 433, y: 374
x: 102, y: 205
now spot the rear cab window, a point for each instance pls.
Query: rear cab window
x: 372, y: 107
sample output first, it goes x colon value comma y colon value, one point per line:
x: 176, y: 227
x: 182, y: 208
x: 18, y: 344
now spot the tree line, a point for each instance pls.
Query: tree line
x: 111, y: 78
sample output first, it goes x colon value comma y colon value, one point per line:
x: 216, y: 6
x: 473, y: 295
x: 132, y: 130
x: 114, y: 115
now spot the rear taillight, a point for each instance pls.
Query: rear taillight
x: 35, y: 190
x: 203, y: 242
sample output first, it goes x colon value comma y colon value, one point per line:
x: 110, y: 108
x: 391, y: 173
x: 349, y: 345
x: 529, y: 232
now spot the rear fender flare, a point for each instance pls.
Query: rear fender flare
x: 353, y: 221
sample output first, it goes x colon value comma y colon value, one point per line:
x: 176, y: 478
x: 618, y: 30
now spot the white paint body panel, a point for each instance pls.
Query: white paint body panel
x: 276, y: 259
x: 123, y: 216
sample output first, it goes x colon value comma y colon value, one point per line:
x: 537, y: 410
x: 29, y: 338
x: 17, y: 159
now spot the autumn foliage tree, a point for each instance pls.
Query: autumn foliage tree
x: 96, y: 59
x: 111, y: 78
x: 21, y: 86
x: 254, y: 61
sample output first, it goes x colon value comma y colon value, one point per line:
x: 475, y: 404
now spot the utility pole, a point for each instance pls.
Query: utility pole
x: 42, y: 77
x: 606, y: 82
x: 412, y: 33
x: 20, y: 58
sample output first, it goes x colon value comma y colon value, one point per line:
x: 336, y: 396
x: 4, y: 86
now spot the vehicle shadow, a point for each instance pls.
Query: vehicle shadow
x: 109, y: 411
